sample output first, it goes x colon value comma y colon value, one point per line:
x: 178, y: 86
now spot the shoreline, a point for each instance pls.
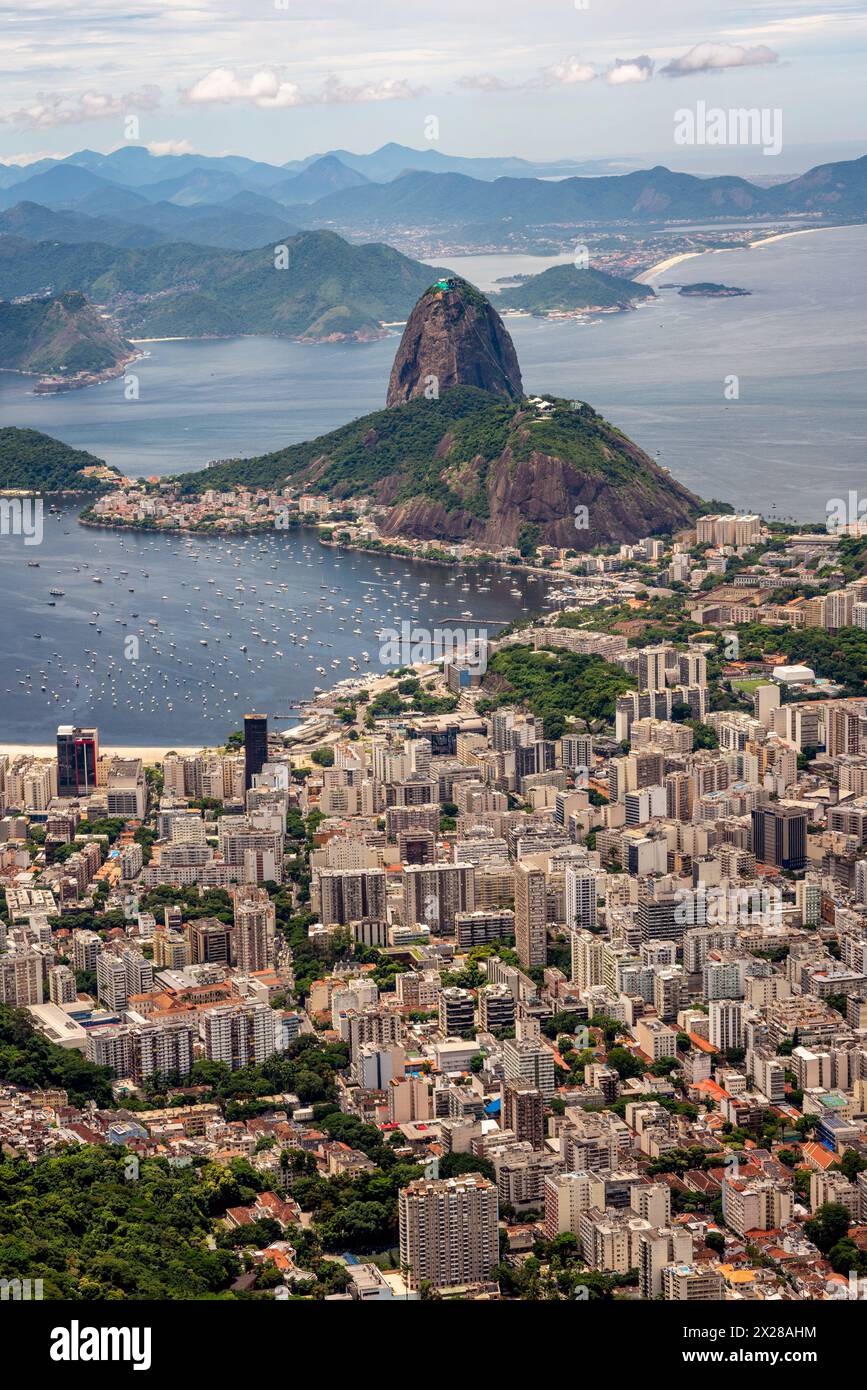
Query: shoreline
x: 671, y: 261
x: 149, y: 753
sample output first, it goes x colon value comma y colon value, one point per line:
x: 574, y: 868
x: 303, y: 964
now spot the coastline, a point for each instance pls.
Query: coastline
x: 671, y: 261
x: 149, y: 753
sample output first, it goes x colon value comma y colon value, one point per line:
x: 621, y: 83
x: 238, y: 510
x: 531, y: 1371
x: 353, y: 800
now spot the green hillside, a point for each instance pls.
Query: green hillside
x: 564, y: 289
x: 37, y: 463
x: 59, y: 334
x: 326, y: 286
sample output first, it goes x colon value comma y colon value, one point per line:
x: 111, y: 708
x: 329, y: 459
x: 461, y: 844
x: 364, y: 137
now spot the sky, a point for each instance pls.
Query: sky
x: 544, y: 79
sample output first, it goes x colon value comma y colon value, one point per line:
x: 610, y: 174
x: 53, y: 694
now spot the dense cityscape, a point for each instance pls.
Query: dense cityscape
x: 433, y: 681
x: 558, y: 992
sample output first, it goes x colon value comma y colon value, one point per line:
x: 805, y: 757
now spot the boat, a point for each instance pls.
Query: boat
x: 58, y: 593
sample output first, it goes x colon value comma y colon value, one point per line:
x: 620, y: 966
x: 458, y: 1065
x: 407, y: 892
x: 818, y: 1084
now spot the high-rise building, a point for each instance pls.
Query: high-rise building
x: 210, y: 941
x: 77, y: 757
x: 111, y: 982
x: 530, y: 916
x: 525, y: 1059
x: 255, y: 746
x: 580, y: 898
x: 21, y: 979
x: 239, y: 1035
x: 61, y: 985
x: 456, y: 1010
x: 780, y: 836
x: 522, y: 1110
x: 351, y: 895
x: 434, y: 894
x: 126, y: 793
x: 726, y: 1024
x: 254, y: 934
x: 448, y: 1231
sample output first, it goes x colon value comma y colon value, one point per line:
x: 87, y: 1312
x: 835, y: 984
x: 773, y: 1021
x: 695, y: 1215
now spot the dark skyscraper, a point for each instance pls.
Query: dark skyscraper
x: 255, y: 746
x: 780, y: 836
x: 77, y: 756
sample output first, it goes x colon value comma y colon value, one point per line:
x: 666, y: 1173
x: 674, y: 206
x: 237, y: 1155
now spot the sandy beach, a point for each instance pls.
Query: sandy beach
x: 672, y: 261
x: 667, y: 264
x: 148, y: 754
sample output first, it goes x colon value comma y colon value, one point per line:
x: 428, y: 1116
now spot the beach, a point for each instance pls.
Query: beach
x: 148, y: 753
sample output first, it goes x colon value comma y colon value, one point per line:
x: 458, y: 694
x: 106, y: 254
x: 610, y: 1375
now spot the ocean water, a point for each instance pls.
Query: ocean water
x: 792, y: 440
x: 794, y: 437
x: 294, y: 604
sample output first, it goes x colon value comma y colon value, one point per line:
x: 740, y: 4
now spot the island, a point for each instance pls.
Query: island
x: 564, y: 289
x: 706, y: 289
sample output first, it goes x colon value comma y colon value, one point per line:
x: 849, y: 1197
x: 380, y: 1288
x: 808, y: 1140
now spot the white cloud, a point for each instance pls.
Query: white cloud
x: 159, y: 147
x: 627, y: 70
x: 485, y: 82
x: 267, y: 90
x: 568, y: 73
x: 21, y: 161
x: 54, y: 110
x: 714, y: 57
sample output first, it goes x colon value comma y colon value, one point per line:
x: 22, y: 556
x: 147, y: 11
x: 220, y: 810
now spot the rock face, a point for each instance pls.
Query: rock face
x: 454, y: 337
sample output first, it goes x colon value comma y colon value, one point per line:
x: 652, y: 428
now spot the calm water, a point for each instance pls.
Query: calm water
x: 795, y: 438
x: 190, y: 682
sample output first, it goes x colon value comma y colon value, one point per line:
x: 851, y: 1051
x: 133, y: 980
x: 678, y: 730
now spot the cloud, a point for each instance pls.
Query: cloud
x: 486, y: 82
x: 567, y: 73
x: 54, y: 110
x: 627, y: 70
x: 160, y: 147
x: 714, y: 57
x: 268, y: 91
x: 21, y: 161
x: 394, y: 89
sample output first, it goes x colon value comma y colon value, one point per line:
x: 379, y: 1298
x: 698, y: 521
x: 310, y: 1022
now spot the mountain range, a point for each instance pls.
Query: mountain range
x: 234, y: 202
x: 318, y: 286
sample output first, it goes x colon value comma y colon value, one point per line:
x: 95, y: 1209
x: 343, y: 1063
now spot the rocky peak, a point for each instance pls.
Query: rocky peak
x: 454, y: 337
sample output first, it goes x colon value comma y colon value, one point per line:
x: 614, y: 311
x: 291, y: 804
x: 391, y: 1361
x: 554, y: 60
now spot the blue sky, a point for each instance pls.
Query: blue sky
x: 279, y: 79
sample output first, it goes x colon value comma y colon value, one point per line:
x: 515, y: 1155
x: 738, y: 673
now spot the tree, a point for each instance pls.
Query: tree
x: 624, y: 1063
x: 828, y: 1225
x: 851, y: 1164
x: 453, y: 1165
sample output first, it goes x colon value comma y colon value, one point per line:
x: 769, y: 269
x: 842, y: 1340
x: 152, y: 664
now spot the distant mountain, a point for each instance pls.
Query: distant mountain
x: 464, y: 464
x: 34, y: 462
x: 472, y: 199
x: 444, y: 200
x: 135, y: 167
x: 565, y: 289
x: 391, y: 160
x: 454, y: 337
x: 153, y: 224
x: 59, y: 335
x: 36, y: 223
x: 327, y: 287
x: 62, y: 186
x: 323, y: 176
x: 837, y: 190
